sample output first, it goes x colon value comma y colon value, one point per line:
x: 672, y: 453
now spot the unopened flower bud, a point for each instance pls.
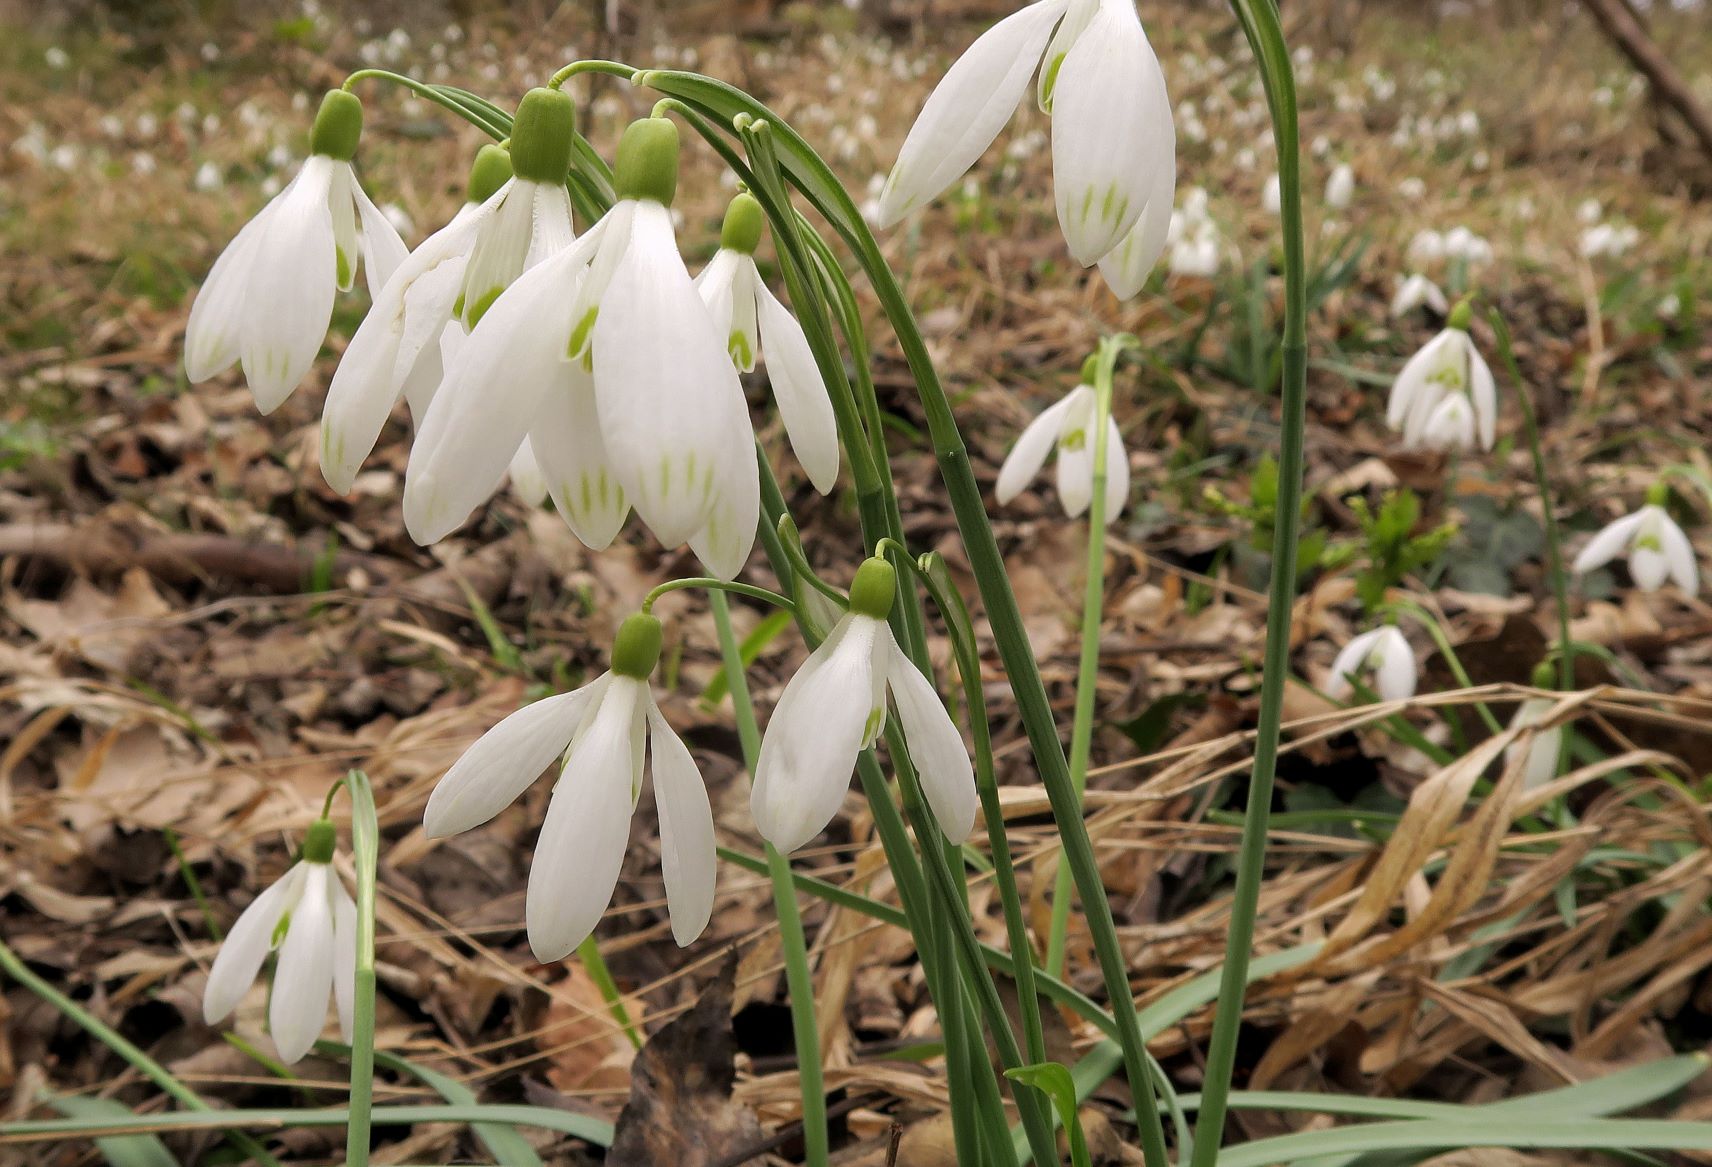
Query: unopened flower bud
x: 743, y: 223
x: 338, y: 126
x: 872, y: 590
x: 647, y: 165
x: 490, y: 171
x: 636, y: 648
x: 542, y: 135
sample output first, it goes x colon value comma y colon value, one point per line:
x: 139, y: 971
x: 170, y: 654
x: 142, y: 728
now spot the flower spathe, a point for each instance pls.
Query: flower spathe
x: 1541, y: 754
x: 1113, y: 141
x: 605, y: 357
x: 1444, y: 396
x: 1656, y: 547
x: 602, y: 732
x: 1383, y: 657
x: 758, y: 327
x: 1068, y: 426
x: 269, y: 298
x: 309, y: 917
x: 835, y: 707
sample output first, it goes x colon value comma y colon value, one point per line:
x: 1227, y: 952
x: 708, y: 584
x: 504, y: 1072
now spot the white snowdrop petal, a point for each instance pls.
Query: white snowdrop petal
x: 247, y: 945
x: 1107, y: 134
x: 394, y: 338
x: 1483, y: 392
x: 587, y: 830
x: 483, y: 410
x: 496, y: 259
x: 1648, y: 567
x: 1611, y: 541
x: 574, y: 465
x: 1394, y: 672
x: 1414, y: 381
x: 344, y: 954
x: 688, y: 856
x: 936, y: 747
x: 1127, y: 266
x: 382, y: 246
x: 1117, y: 471
x: 1076, y: 452
x: 1030, y: 452
x: 968, y: 108
x: 1351, y: 662
x: 1076, y: 18
x: 289, y: 300
x: 214, y: 334
x: 804, y: 404
x: 812, y: 740
x: 664, y: 384
x: 303, y: 976
x: 727, y: 536
x: 715, y: 284
x: 551, y: 231
x: 347, y: 235
x: 527, y: 481
x: 1678, y: 552
x: 504, y: 761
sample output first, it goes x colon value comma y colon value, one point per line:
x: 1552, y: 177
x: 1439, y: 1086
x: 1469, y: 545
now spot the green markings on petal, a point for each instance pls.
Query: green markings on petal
x: 344, y: 268
x: 872, y: 727
x: 1114, y: 205
x: 1049, y: 81
x: 1447, y: 375
x: 279, y: 931
x: 1073, y: 440
x: 476, y: 311
x: 742, y: 352
x: 580, y: 335
x: 1649, y: 541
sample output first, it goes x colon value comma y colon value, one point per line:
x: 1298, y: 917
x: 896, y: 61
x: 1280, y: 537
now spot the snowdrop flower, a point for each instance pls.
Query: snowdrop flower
x: 1445, y: 391
x: 605, y: 357
x: 1066, y: 425
x: 1340, y: 187
x: 268, y: 300
x: 1113, y: 143
x: 1415, y: 291
x: 1462, y: 244
x: 602, y: 732
x: 1543, y: 751
x: 835, y: 707
x: 400, y: 349
x: 1196, y: 254
x: 755, y: 323
x: 1656, y: 548
x: 1381, y: 654
x: 311, y: 919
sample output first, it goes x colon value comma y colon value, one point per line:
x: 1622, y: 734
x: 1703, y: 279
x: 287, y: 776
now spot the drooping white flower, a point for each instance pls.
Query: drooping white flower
x: 1542, y: 752
x: 402, y: 346
x: 1415, y: 292
x: 605, y: 357
x: 1445, y: 390
x: 1656, y: 548
x: 1382, y: 657
x: 1340, y: 186
x: 268, y: 299
x: 311, y: 920
x: 757, y: 325
x: 1068, y: 426
x: 835, y: 707
x: 602, y: 731
x: 1112, y: 134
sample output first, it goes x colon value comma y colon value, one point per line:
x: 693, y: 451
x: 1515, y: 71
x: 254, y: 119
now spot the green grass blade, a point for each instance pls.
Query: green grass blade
x: 118, y: 1150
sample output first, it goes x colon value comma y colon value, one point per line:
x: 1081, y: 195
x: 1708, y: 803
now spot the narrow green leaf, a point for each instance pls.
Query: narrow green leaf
x: 119, y: 1150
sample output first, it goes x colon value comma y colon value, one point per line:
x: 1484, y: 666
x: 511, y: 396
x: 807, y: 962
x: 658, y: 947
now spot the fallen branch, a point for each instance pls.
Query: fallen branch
x: 1625, y: 30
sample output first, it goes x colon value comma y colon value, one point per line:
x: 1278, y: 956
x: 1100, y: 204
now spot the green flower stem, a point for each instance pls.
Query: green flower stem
x: 1548, y: 513
x: 1447, y: 650
x: 1088, y: 666
x: 588, y: 955
x: 716, y: 585
x: 799, y: 980
x: 1262, y: 25
x: 365, y: 847
x: 15, y: 968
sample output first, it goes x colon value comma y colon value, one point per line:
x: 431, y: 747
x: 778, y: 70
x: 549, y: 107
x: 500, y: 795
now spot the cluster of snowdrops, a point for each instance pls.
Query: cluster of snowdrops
x: 593, y: 370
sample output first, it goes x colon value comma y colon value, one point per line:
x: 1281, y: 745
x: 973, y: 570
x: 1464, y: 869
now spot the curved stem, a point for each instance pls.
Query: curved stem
x: 1088, y: 665
x: 717, y: 585
x: 799, y: 980
x: 610, y: 68
x: 1261, y: 24
x: 433, y: 93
